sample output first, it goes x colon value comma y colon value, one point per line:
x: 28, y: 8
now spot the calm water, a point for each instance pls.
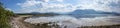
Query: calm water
x: 73, y: 21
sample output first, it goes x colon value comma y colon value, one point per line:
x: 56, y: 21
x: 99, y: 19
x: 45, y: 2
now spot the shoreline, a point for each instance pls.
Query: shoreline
x: 18, y: 22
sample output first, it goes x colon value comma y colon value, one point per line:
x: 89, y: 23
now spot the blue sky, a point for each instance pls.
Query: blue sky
x: 11, y: 4
x: 60, y: 6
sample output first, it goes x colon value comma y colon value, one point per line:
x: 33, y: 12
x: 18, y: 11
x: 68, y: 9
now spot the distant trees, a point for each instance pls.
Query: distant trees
x: 4, y: 17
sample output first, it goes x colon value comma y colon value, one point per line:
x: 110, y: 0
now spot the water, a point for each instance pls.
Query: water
x: 73, y: 21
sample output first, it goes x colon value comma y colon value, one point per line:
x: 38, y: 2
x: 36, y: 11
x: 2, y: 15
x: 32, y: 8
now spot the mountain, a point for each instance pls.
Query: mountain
x: 35, y: 13
x: 90, y: 11
x: 84, y: 12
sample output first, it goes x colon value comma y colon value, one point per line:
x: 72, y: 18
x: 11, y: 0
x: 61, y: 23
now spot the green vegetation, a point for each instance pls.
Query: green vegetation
x: 4, y: 17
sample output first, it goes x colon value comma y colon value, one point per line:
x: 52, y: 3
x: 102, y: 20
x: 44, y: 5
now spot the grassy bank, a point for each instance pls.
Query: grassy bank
x: 4, y: 17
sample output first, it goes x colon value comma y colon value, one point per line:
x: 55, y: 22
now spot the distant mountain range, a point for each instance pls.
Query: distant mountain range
x: 77, y: 12
x: 88, y: 11
x: 91, y: 13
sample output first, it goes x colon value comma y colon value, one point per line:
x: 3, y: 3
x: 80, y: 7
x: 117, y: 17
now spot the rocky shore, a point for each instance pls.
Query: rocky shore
x: 18, y: 22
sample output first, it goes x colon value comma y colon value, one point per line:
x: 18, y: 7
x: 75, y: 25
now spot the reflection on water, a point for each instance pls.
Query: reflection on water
x: 73, y: 21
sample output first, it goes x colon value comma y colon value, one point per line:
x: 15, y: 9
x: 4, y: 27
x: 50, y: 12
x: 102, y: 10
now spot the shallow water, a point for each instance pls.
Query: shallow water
x: 73, y: 21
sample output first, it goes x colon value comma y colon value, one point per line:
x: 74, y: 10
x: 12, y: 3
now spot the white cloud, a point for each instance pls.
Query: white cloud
x: 34, y: 6
x: 45, y: 6
x: 50, y: 8
x: 52, y: 0
x: 60, y: 0
x: 29, y: 3
x: 57, y: 8
x: 8, y: 9
x: 99, y: 5
x: 45, y: 0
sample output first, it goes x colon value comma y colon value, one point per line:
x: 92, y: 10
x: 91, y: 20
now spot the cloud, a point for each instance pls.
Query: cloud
x: 9, y: 9
x: 52, y: 0
x: 99, y: 5
x: 28, y: 3
x: 60, y: 6
x: 57, y: 8
x: 44, y: 7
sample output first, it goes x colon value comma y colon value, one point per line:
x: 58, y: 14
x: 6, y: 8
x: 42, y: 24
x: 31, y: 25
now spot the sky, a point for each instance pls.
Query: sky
x: 60, y: 6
